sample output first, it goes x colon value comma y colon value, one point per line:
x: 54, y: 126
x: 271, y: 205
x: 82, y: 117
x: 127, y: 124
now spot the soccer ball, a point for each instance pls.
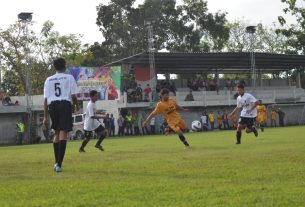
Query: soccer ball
x: 196, y: 126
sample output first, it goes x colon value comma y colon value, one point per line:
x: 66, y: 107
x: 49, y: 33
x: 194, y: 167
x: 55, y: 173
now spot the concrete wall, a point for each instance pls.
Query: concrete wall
x: 294, y: 114
x: 8, y: 130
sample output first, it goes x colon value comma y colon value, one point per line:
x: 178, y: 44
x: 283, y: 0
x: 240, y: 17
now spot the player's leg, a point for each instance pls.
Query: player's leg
x: 101, y: 134
x: 88, y: 135
x: 241, y: 125
x: 251, y: 126
x: 56, y: 147
x: 63, y: 136
x: 178, y: 128
x: 65, y: 125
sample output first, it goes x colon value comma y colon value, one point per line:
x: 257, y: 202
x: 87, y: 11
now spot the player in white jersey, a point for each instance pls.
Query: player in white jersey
x: 247, y: 104
x: 92, y: 124
x: 59, y: 94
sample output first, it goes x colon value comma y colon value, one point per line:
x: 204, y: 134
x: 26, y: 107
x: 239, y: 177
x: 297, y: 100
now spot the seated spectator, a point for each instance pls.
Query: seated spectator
x: 139, y: 93
x: 172, y: 88
x: 147, y: 93
x: 189, y: 96
x: 17, y: 103
x: 7, y: 101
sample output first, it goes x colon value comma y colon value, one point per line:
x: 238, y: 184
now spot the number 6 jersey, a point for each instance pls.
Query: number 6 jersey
x: 60, y: 87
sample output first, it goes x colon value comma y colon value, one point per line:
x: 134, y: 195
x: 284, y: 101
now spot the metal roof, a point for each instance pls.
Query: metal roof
x: 227, y: 62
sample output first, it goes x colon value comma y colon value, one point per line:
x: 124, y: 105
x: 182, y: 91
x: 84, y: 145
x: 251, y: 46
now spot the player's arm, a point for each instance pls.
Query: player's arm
x: 181, y: 108
x: 145, y: 123
x: 253, y: 107
x: 75, y: 103
x: 45, y: 113
x: 237, y: 109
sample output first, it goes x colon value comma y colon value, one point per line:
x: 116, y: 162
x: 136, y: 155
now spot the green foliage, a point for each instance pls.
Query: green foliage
x: 294, y: 32
x: 157, y: 171
x: 185, y: 28
x: 15, y: 43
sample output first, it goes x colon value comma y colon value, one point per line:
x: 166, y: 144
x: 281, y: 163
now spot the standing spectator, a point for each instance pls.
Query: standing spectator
x: 20, y: 132
x: 219, y: 120
x: 273, y: 118
x: 228, y: 84
x: 144, y: 128
x: 135, y: 124
x: 172, y: 88
x: 128, y: 119
x: 281, y: 117
x: 153, y: 125
x: 234, y: 121
x: 204, y: 121
x: 112, y: 126
x: 121, y: 125
x: 107, y: 123
x: 225, y: 120
x: 211, y: 119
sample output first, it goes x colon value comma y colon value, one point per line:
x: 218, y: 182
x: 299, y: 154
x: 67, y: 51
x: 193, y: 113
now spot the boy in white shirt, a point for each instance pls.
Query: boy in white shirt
x: 247, y: 103
x: 92, y: 124
x: 59, y: 93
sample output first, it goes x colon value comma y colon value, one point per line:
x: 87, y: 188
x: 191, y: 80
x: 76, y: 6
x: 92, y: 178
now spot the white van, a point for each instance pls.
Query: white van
x: 78, y: 126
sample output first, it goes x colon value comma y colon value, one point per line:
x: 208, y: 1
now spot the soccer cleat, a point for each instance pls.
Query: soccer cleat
x: 99, y: 147
x: 58, y: 169
x: 237, y: 143
x: 187, y: 147
x: 81, y: 150
x: 254, y: 131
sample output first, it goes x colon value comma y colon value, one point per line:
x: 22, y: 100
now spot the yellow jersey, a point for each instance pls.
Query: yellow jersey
x: 211, y: 117
x: 169, y: 110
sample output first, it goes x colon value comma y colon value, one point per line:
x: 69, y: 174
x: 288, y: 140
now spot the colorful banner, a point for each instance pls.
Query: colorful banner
x: 105, y: 80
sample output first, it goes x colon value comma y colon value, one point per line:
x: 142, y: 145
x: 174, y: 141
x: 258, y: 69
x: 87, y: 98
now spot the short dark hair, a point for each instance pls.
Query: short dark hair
x: 241, y: 86
x: 92, y: 93
x: 59, y: 64
x: 164, y: 91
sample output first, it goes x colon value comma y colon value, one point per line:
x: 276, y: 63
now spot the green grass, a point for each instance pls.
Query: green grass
x: 157, y: 171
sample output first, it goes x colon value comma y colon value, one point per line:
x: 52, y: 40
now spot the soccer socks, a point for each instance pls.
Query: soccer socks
x: 84, y: 143
x: 238, y: 136
x: 56, y: 150
x: 62, y: 151
x: 182, y: 138
x: 99, y: 141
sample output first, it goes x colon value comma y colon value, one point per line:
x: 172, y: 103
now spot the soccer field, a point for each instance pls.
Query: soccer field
x: 158, y: 171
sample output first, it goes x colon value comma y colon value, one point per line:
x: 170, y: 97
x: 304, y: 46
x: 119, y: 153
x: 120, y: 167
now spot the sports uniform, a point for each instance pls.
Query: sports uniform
x: 172, y: 117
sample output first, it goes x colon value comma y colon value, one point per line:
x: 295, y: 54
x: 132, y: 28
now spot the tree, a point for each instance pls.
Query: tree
x: 185, y: 28
x: 294, y: 32
x: 265, y: 39
x: 41, y: 50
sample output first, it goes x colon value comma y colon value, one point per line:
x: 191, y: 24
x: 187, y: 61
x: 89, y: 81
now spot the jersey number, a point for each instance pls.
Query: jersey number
x: 57, y: 89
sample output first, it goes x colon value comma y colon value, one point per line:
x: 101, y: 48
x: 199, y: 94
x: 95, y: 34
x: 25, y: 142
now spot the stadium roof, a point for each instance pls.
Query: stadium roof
x: 228, y: 62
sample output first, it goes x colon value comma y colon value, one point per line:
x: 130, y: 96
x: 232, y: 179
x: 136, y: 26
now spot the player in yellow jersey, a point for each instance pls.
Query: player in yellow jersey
x: 261, y: 115
x: 168, y: 108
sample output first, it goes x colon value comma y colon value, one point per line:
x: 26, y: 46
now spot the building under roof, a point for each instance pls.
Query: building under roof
x: 221, y: 63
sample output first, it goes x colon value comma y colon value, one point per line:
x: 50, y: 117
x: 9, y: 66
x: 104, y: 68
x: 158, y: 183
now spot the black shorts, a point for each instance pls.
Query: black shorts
x: 98, y: 131
x: 61, y: 115
x: 247, y: 121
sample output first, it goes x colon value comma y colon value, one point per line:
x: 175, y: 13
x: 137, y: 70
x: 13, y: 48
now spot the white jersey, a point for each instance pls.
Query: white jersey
x: 246, y: 102
x: 204, y: 119
x: 91, y: 124
x: 59, y: 87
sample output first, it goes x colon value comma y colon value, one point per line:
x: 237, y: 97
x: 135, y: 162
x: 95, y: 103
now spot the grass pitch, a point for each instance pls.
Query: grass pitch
x: 157, y: 171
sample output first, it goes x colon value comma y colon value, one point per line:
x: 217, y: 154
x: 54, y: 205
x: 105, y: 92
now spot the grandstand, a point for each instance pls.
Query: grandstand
x: 291, y: 97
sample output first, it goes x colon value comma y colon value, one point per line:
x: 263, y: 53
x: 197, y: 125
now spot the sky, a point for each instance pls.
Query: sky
x: 79, y: 17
